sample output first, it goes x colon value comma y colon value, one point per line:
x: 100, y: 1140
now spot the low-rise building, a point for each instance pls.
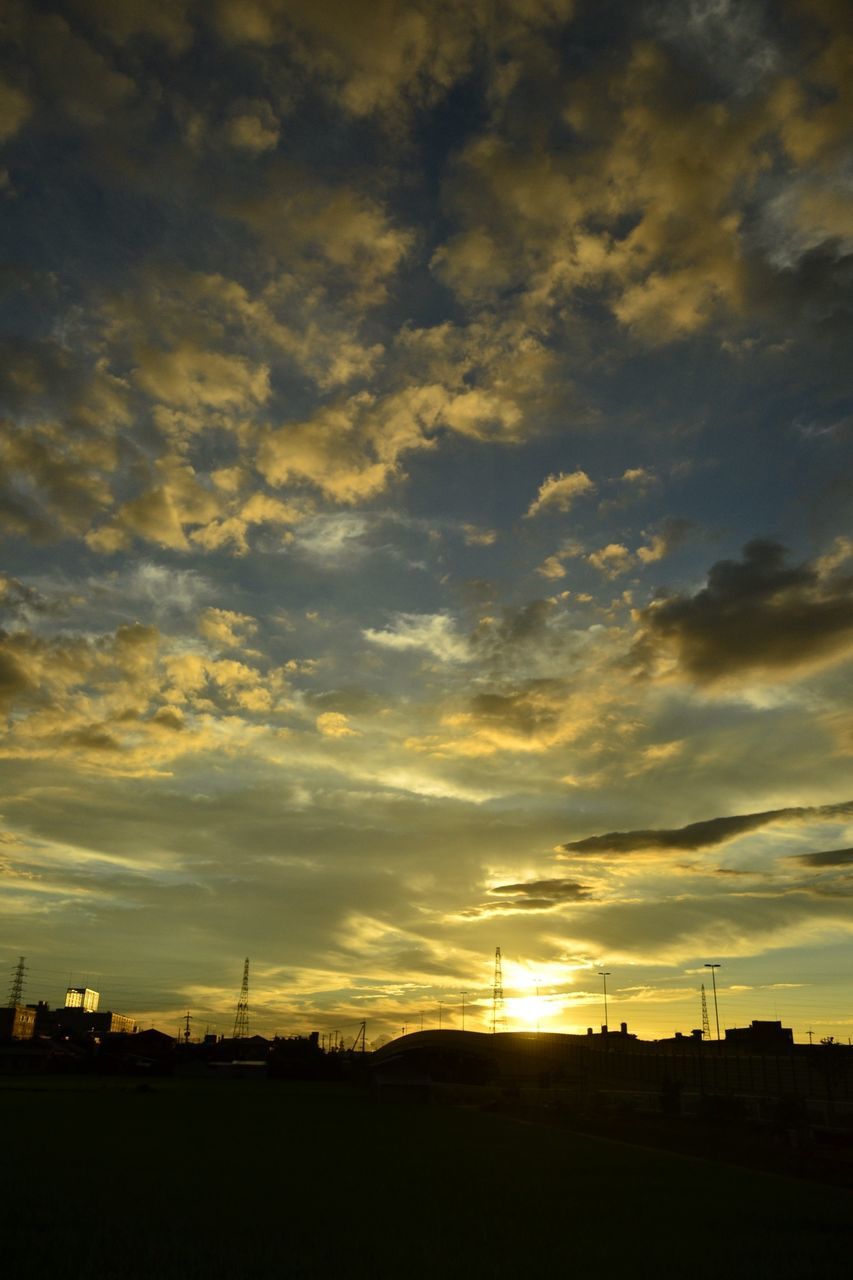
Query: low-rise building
x: 83, y: 1022
x: 17, y: 1022
x: 761, y: 1035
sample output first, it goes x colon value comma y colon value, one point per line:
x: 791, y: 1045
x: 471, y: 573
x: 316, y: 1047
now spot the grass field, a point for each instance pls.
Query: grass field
x: 234, y: 1179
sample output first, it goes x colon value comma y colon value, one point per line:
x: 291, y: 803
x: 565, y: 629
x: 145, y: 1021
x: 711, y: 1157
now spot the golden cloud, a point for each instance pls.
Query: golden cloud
x: 15, y: 108
x: 558, y: 492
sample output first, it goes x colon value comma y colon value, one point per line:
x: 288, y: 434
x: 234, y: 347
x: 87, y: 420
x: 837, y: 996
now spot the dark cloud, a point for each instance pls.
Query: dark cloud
x: 757, y: 614
x: 516, y: 627
x: 531, y: 895
x: 546, y: 892
x: 813, y: 291
x: 826, y: 858
x: 701, y: 835
x: 528, y: 712
x: 675, y: 530
x: 14, y: 679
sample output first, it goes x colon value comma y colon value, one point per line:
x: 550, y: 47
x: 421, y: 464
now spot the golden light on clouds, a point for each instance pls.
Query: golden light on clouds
x: 423, y: 454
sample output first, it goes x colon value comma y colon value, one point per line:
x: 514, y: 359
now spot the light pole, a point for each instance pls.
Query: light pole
x: 464, y: 994
x: 440, y: 1008
x: 605, y: 974
x: 713, y: 966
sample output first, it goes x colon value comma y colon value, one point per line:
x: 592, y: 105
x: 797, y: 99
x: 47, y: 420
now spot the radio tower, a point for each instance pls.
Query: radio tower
x: 241, y: 1021
x: 498, y: 994
x: 16, y: 991
x: 706, y: 1026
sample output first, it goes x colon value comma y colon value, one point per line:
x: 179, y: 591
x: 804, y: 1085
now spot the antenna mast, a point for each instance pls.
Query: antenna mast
x: 16, y: 991
x: 498, y: 994
x: 241, y: 1021
x: 706, y: 1026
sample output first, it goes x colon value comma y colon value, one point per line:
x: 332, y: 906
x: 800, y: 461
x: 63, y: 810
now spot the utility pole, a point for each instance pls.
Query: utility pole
x: 464, y: 994
x: 497, y: 993
x: 440, y: 1010
x: 605, y: 974
x: 16, y: 991
x: 714, y: 966
x: 241, y: 1020
x: 187, y: 1020
x: 537, y: 1006
x: 810, y: 1035
x: 361, y: 1036
x: 706, y: 1028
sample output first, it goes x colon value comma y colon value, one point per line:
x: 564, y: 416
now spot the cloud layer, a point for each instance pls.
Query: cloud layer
x: 424, y: 437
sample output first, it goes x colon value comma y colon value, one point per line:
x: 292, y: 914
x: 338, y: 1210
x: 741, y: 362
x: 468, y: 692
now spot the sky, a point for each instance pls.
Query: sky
x: 425, y: 488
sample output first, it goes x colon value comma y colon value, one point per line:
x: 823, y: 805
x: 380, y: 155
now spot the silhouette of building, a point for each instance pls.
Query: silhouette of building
x: 761, y: 1035
x: 83, y: 1022
x: 605, y: 1033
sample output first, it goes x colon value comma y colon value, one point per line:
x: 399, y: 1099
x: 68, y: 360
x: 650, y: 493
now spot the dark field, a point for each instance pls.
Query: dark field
x: 242, y: 1179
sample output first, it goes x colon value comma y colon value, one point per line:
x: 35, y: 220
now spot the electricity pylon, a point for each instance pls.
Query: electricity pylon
x: 16, y: 991
x: 498, y: 994
x: 241, y: 1021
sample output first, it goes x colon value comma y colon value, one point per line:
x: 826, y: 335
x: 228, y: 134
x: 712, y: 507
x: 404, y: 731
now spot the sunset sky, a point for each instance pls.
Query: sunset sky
x: 426, y: 478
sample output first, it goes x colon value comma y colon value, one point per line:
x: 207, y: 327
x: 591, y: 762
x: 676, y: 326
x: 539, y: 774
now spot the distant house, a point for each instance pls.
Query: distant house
x: 152, y: 1044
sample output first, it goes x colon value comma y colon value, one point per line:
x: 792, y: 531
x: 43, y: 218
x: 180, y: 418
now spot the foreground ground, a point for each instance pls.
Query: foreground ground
x: 243, y: 1179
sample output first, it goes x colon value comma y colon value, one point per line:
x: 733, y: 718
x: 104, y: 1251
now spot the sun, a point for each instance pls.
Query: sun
x: 527, y: 1012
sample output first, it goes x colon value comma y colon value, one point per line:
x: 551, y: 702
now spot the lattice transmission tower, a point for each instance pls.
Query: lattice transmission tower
x: 498, y: 994
x: 16, y: 990
x: 706, y: 1026
x: 241, y: 1021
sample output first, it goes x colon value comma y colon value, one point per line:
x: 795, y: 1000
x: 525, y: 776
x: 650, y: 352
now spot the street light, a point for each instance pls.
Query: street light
x: 713, y: 966
x: 605, y: 974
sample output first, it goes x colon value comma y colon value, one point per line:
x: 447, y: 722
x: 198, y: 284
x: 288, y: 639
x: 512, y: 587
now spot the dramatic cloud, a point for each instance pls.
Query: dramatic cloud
x: 758, y: 616
x: 701, y: 835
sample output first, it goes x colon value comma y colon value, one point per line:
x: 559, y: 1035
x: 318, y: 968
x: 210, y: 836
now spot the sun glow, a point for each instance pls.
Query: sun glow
x: 532, y: 1012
